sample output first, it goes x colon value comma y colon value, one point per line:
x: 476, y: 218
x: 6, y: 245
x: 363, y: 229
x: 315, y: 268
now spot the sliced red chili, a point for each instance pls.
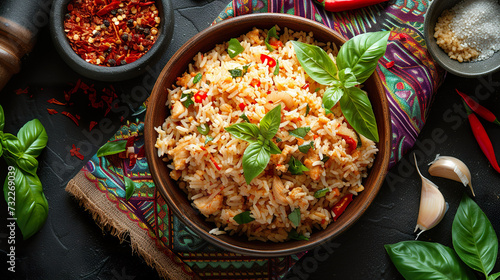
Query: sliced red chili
x: 200, y: 96
x: 275, y: 43
x: 270, y: 61
x: 242, y: 106
x: 340, y: 207
x: 255, y: 83
x: 305, y: 86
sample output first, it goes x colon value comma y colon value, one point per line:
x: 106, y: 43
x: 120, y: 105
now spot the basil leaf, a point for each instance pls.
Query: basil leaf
x: 197, y: 78
x: 346, y: 76
x: 12, y: 145
x: 321, y: 193
x: 362, y: 53
x: 331, y: 96
x: 275, y: 150
x: 296, y: 167
x: 208, y: 139
x: 278, y: 140
x: 243, y: 218
x: 426, y: 260
x: 294, y: 217
x: 244, y: 131
x: 27, y: 163
x: 2, y: 119
x: 31, y: 208
x: 234, y: 48
x: 203, y: 129
x: 270, y: 123
x: 245, y: 68
x: 494, y: 276
x: 111, y: 148
x: 33, y: 137
x: 327, y: 111
x: 129, y: 187
x: 271, y: 33
x: 300, y: 132
x: 244, y: 117
x: 316, y: 62
x: 473, y: 237
x: 277, y: 68
x: 357, y: 110
x: 325, y: 158
x: 294, y: 235
x: 305, y: 147
x: 255, y: 160
x: 308, y: 109
x: 235, y: 73
x: 317, y: 89
x: 188, y: 102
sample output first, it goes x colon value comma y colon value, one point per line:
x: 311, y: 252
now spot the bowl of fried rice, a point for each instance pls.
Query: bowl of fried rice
x: 319, y: 183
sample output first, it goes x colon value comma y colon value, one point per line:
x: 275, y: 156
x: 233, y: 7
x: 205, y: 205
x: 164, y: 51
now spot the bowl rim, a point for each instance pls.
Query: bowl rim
x: 115, y: 73
x: 155, y: 162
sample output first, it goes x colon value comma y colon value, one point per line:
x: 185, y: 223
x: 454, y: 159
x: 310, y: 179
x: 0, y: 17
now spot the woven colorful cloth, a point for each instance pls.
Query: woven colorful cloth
x: 409, y: 83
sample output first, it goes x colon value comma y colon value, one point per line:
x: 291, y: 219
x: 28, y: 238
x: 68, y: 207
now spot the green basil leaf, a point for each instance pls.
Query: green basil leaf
x: 357, y: 110
x: 325, y: 158
x: 188, y: 99
x: 234, y: 48
x: 294, y: 217
x: 255, y: 160
x: 2, y: 119
x: 244, y: 131
x: 317, y: 89
x: 474, y: 238
x: 305, y: 147
x: 243, y: 218
x: 426, y: 260
x: 12, y: 145
x: 494, y: 276
x: 316, y: 62
x: 1, y: 150
x: 275, y: 150
x: 129, y: 187
x: 271, y: 33
x: 277, y: 68
x: 270, y: 123
x: 111, y: 148
x: 203, y: 129
x: 31, y: 208
x: 300, y: 132
x: 331, y: 96
x: 235, y: 73
x: 327, y: 111
x: 308, y: 109
x: 278, y: 140
x: 27, y: 163
x: 197, y: 78
x: 245, y: 68
x: 208, y: 139
x: 362, y: 53
x: 244, y: 117
x: 294, y: 235
x: 346, y: 76
x: 321, y: 193
x: 296, y: 167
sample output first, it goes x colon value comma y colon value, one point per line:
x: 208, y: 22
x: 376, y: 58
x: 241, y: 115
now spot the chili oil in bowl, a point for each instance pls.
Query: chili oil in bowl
x: 111, y: 40
x: 178, y: 200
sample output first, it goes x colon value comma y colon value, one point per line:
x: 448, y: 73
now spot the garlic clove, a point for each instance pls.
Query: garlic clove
x: 432, y: 204
x: 451, y: 168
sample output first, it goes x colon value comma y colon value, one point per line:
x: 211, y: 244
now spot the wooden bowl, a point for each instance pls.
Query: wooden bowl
x: 177, y: 199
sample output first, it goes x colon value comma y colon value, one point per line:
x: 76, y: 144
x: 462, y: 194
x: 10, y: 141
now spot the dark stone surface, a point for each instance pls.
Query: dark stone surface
x: 72, y: 246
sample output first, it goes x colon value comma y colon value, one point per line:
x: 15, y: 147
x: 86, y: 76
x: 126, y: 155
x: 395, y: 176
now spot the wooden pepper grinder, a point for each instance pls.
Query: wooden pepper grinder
x: 20, y: 21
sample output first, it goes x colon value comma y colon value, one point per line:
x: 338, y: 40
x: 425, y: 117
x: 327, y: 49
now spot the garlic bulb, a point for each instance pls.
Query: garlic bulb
x: 432, y: 204
x: 451, y: 168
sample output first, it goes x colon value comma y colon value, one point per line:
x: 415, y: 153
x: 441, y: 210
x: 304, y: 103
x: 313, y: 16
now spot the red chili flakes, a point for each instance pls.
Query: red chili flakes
x: 21, y: 91
x: 73, y: 118
x: 305, y: 86
x: 55, y: 101
x: 389, y: 64
x: 51, y: 111
x: 75, y: 152
x: 242, y: 106
x: 92, y: 124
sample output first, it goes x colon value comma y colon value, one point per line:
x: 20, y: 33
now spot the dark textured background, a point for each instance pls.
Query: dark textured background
x: 72, y: 246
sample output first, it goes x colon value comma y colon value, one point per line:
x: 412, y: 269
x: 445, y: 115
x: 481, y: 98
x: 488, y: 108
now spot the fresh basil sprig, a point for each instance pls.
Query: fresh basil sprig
x: 296, y: 167
x: 258, y: 153
x: 111, y: 148
x: 356, y: 61
x: 20, y: 152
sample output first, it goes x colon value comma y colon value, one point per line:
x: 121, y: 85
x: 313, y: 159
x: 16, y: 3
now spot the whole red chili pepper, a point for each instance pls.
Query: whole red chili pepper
x: 343, y: 5
x: 482, y: 138
x: 340, y: 207
x: 478, y: 109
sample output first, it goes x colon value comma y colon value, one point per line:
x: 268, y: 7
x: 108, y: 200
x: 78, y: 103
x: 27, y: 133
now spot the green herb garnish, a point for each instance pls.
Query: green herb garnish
x: 294, y: 217
x: 203, y: 129
x: 235, y: 73
x: 243, y: 218
x: 321, y: 193
x: 305, y: 147
x: 271, y: 33
x: 111, y: 148
x: 308, y: 109
x: 278, y: 140
x: 197, y: 78
x: 277, y: 68
x: 296, y: 167
x: 244, y: 117
x: 208, y: 139
x: 325, y: 158
x: 300, y: 132
x: 188, y: 95
x: 294, y: 235
x: 234, y: 48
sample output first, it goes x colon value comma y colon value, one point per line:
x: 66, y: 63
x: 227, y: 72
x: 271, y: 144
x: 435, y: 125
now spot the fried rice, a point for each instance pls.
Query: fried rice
x: 210, y: 170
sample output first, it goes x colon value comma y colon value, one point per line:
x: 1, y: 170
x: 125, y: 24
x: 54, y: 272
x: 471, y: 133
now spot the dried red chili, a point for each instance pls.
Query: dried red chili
x: 479, y: 109
x: 21, y: 91
x: 92, y: 124
x: 76, y: 152
x: 111, y: 33
x: 51, y: 111
x: 73, y: 118
x: 55, y: 101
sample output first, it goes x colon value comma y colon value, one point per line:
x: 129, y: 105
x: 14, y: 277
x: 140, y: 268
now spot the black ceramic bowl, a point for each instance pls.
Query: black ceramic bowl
x: 463, y: 69
x: 116, y: 73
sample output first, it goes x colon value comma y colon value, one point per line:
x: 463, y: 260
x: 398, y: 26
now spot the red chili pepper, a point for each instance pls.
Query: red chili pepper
x: 275, y: 43
x: 92, y: 124
x: 305, y: 86
x: 21, y: 91
x: 255, y: 83
x: 146, y: 3
x: 482, y: 138
x: 389, y: 64
x: 69, y: 115
x: 108, y: 8
x: 478, y: 109
x: 242, y: 106
x: 344, y: 5
x: 340, y: 207
x: 200, y: 96
x: 55, y: 101
x: 270, y: 61
x: 51, y: 111
x: 75, y: 152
